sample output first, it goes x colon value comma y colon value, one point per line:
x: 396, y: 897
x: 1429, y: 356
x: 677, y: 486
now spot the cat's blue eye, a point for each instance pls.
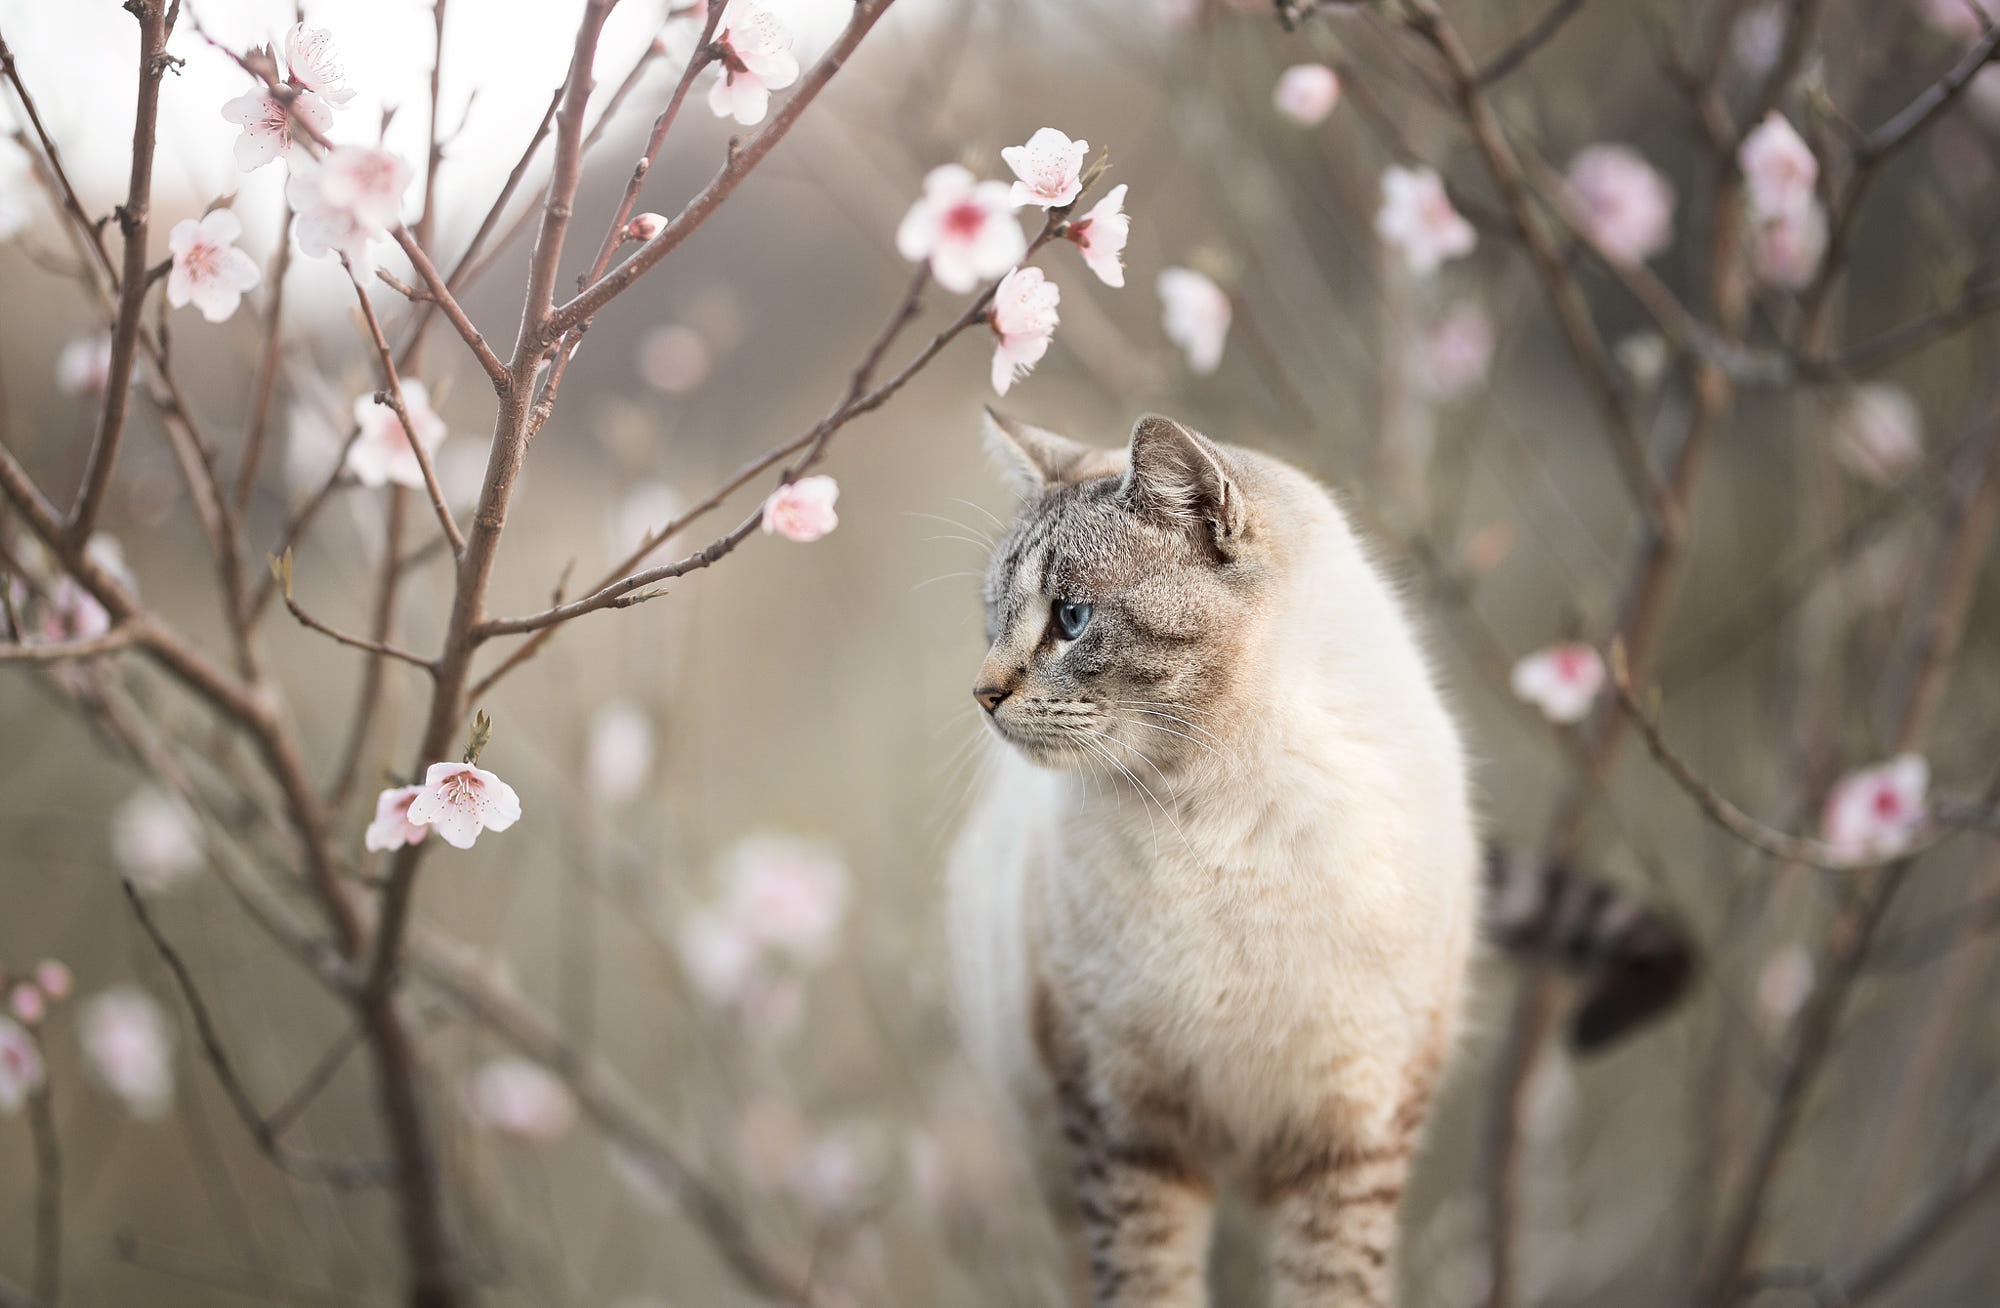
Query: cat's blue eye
x: 1071, y: 618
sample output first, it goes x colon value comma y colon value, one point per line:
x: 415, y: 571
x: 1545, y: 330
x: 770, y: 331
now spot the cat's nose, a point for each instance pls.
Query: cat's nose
x: 989, y: 697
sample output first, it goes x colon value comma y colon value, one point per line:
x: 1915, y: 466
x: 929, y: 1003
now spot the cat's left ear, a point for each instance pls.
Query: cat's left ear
x: 1180, y: 475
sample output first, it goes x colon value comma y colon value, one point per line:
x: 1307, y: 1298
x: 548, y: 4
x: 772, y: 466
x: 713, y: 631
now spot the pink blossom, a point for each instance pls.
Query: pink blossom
x: 209, y: 271
x: 1307, y: 93
x: 965, y: 227
x: 719, y: 955
x: 315, y: 67
x: 1452, y: 357
x: 27, y: 1003
x: 756, y: 60
x: 1787, y: 246
x: 1197, y: 314
x: 461, y: 800
x: 392, y: 828
x: 1417, y: 218
x: 129, y: 1047
x: 1050, y: 167
x: 1878, y: 434
x: 519, y: 1098
x: 1784, y: 984
x: 802, y: 510
x: 267, y: 125
x: 21, y: 1069
x: 1962, y: 19
x: 1024, y: 318
x: 74, y: 613
x: 347, y: 202
x: 1779, y: 168
x: 620, y: 753
x: 1874, y: 812
x: 54, y: 979
x: 1622, y: 204
x: 645, y: 226
x: 1100, y: 236
x: 156, y: 843
x: 382, y: 453
x: 787, y: 894
x: 84, y: 366
x: 1562, y: 681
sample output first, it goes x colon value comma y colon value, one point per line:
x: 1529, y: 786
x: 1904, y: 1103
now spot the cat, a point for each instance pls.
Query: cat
x: 1212, y: 917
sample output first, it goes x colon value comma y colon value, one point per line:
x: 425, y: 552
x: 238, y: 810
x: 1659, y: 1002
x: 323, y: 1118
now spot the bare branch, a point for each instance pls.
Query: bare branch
x: 1523, y: 47
x: 394, y: 384
x: 61, y: 651
x: 283, y: 567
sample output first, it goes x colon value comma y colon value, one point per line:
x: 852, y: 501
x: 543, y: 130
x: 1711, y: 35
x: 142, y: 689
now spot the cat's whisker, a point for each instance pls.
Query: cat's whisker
x: 1093, y: 736
x: 980, y: 508
x: 943, y: 576
x: 988, y: 542
x: 1178, y: 721
x: 1202, y: 745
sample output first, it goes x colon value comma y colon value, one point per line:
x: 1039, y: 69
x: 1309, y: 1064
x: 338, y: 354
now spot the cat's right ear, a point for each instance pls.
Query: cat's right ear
x: 1033, y: 458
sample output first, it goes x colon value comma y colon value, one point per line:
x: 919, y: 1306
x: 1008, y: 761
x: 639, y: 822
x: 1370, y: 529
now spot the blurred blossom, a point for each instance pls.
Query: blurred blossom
x: 1784, y: 984
x: 1962, y: 19
x: 620, y: 752
x: 1177, y: 13
x: 1644, y: 356
x: 1878, y: 434
x: 104, y: 550
x: 382, y: 453
x: 461, y: 800
x: 1622, y: 204
x: 673, y: 358
x: 1453, y: 356
x: 1197, y: 314
x: 1874, y: 812
x: 1779, y: 168
x: 1100, y: 236
x: 209, y: 272
x: 267, y: 125
x: 73, y: 613
x: 1024, y: 318
x: 84, y: 366
x: 315, y: 65
x: 1562, y: 681
x: 129, y: 1047
x: 1417, y: 219
x: 769, y: 1135
x: 718, y: 953
x: 965, y: 227
x: 519, y: 1098
x: 802, y: 510
x: 787, y: 893
x: 54, y: 978
x: 313, y: 448
x: 646, y: 508
x: 348, y: 201
x: 756, y: 60
x: 1758, y: 38
x: 1787, y: 247
x: 392, y: 828
x: 21, y: 1070
x: 1050, y: 169
x: 16, y: 186
x: 1307, y: 93
x: 828, y: 1175
x: 155, y: 841
x: 27, y: 1003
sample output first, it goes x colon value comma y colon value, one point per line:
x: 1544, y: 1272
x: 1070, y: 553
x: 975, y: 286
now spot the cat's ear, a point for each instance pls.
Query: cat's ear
x: 1178, y: 474
x: 1033, y: 457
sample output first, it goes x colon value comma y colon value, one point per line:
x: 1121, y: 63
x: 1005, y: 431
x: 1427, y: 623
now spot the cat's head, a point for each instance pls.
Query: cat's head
x: 1123, y: 598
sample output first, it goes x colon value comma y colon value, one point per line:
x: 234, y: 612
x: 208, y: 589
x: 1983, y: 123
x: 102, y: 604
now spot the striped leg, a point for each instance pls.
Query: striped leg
x: 1333, y: 1230
x: 1147, y: 1231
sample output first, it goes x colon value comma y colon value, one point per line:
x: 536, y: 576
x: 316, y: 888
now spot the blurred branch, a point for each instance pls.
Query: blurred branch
x: 58, y: 651
x: 1523, y: 47
x: 48, y: 1192
x: 265, y: 387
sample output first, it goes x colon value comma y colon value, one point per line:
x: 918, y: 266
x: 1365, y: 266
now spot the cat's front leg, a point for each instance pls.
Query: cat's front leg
x: 1332, y: 1218
x: 1146, y: 1218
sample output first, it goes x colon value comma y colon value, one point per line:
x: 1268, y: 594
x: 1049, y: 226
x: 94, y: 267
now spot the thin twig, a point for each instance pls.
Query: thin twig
x: 394, y: 385
x: 1523, y: 47
x: 60, y: 651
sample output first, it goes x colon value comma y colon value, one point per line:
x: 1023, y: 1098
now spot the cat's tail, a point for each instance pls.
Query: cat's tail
x: 1633, y: 960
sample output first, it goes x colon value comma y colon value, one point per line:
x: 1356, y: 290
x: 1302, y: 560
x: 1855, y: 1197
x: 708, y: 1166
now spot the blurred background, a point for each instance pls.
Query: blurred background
x: 797, y: 719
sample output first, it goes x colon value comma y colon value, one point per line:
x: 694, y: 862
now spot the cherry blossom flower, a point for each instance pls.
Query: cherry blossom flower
x: 674, y: 358
x: 965, y: 227
x: 382, y: 453
x: 1878, y: 434
x: 1622, y: 204
x: 620, y: 752
x: 73, y: 613
x: 1050, y: 167
x: 21, y: 1069
x: 347, y: 202
x: 719, y: 955
x: 209, y: 271
x: 267, y: 125
x: 1417, y: 219
x: 1307, y: 93
x: 645, y: 226
x: 1874, y: 812
x: 1197, y: 316
x: 787, y: 894
x: 1779, y: 168
x: 802, y: 510
x: 392, y: 828
x: 756, y: 60
x: 53, y: 978
x: 129, y: 1047
x: 1024, y: 317
x: 1100, y: 236
x: 1961, y: 19
x: 315, y: 67
x: 28, y: 1004
x: 1786, y: 247
x: 461, y: 800
x: 1784, y: 984
x: 519, y: 1098
x: 1562, y: 681
x: 1453, y: 357
x: 84, y: 366
x: 155, y: 841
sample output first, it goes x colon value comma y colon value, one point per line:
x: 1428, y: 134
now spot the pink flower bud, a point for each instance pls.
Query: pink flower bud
x: 802, y: 510
x: 27, y: 1004
x: 53, y: 979
x: 645, y: 227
